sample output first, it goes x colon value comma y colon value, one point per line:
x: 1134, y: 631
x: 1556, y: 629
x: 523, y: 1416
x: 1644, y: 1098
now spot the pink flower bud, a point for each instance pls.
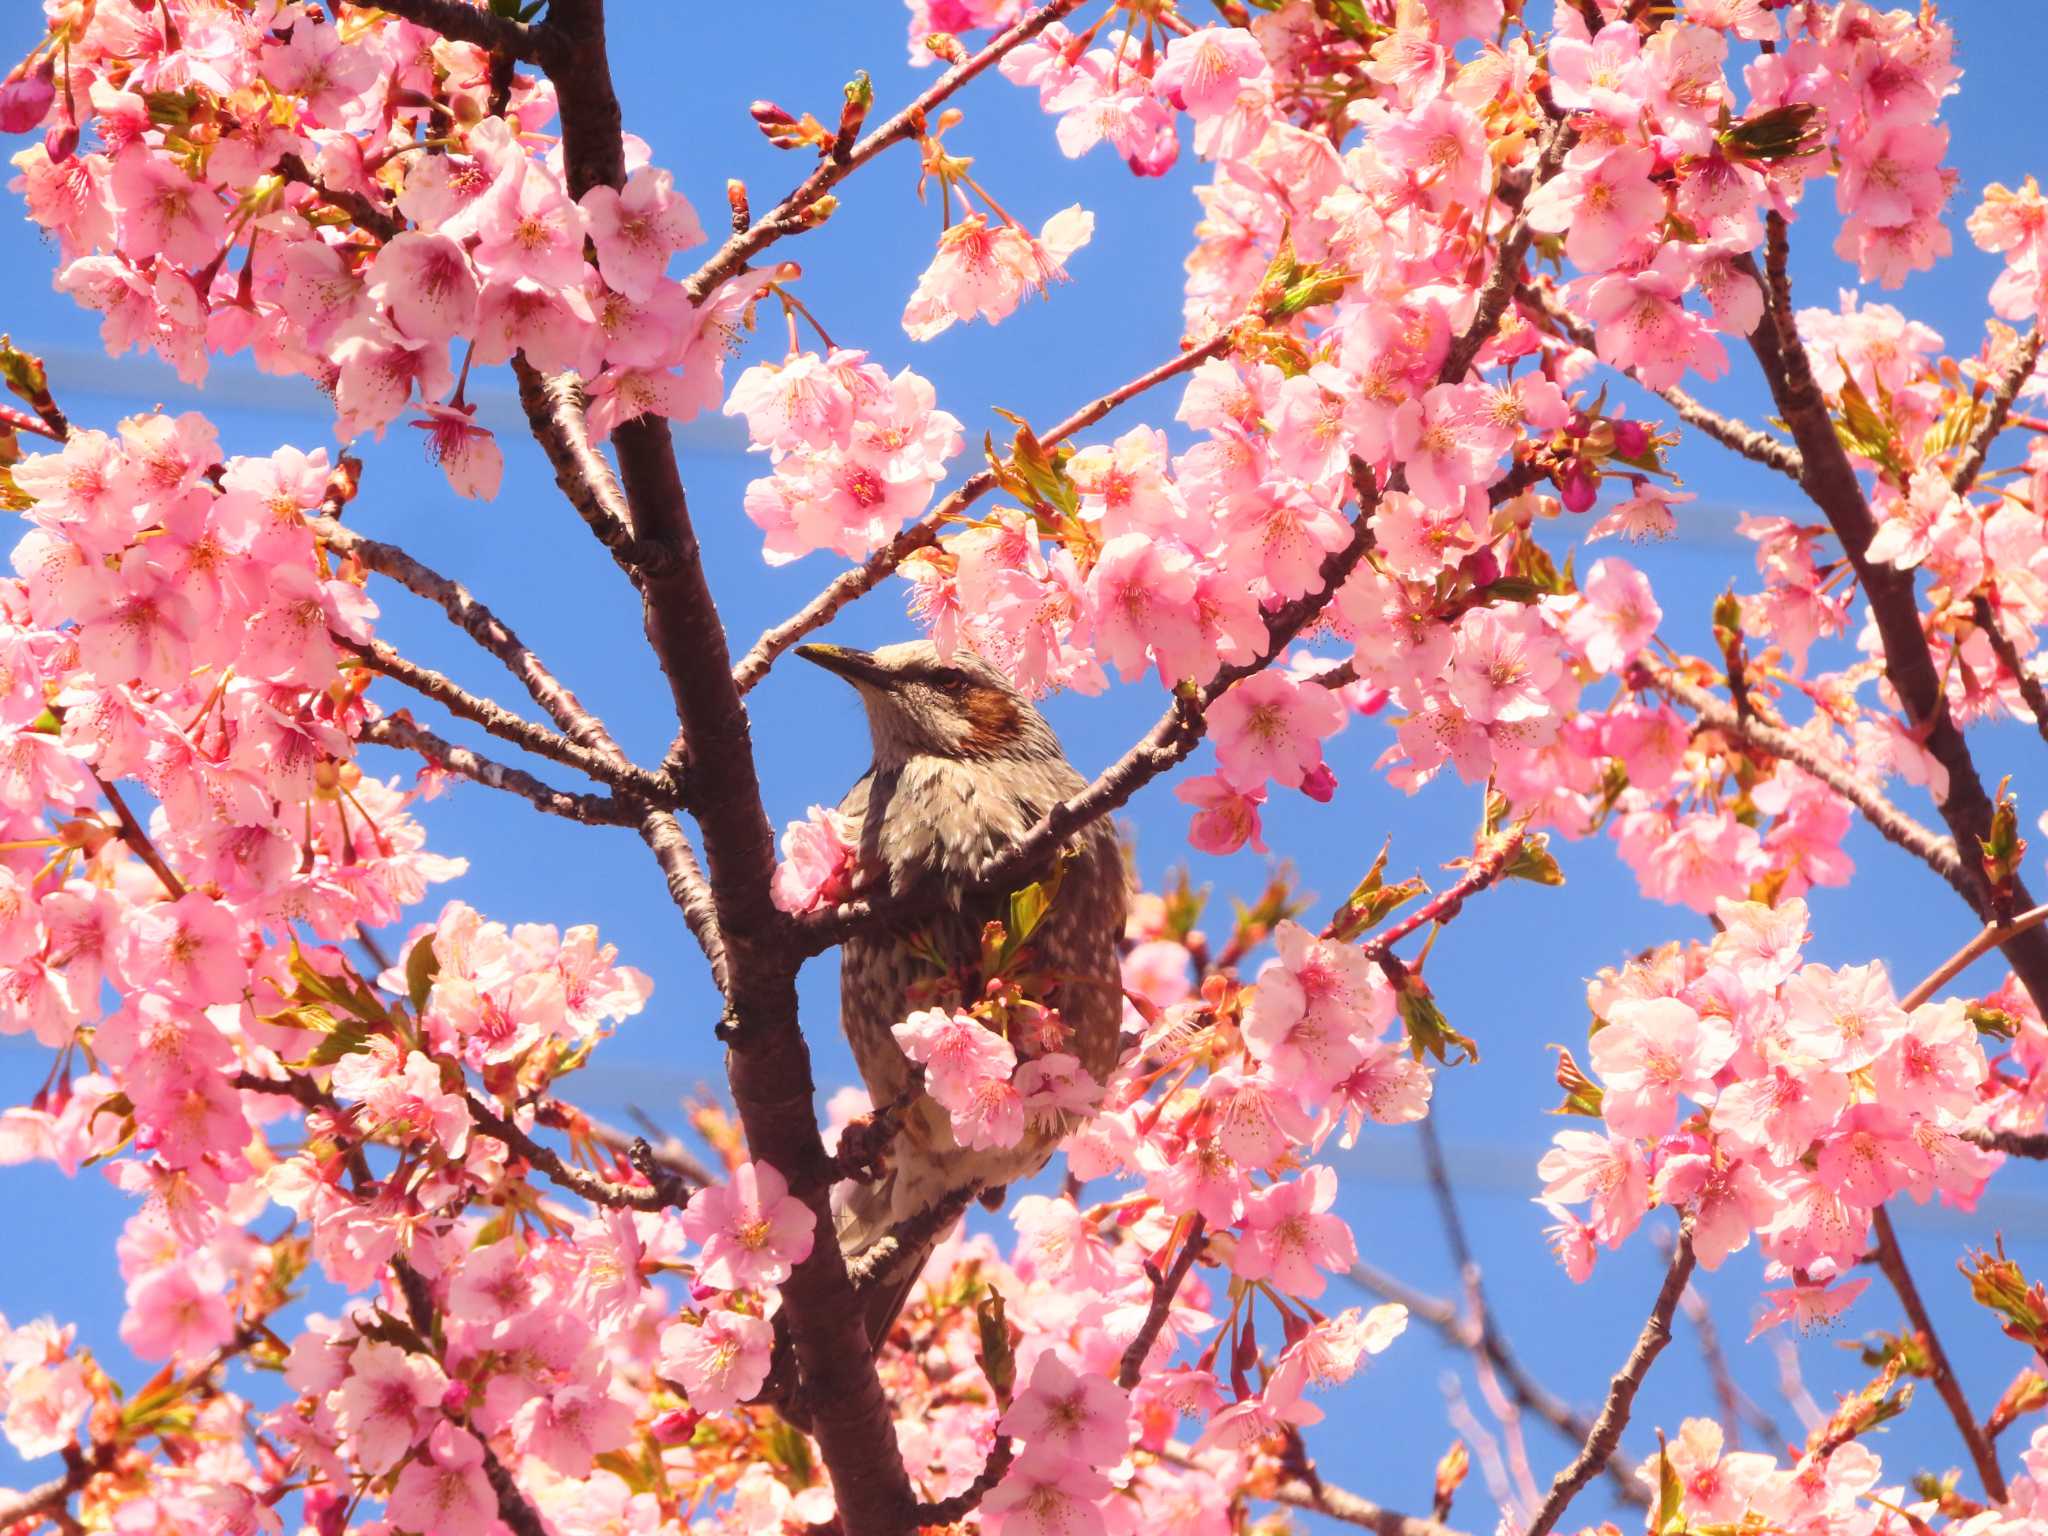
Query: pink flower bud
x: 60, y: 142
x: 25, y: 103
x: 675, y: 1428
x: 1578, y: 487
x: 456, y: 1398
x: 1631, y: 438
x: 1482, y: 566
x: 1319, y: 783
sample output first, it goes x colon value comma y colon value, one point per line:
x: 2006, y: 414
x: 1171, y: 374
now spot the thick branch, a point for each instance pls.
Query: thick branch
x: 1893, y: 1263
x: 865, y: 577
x: 1938, y: 853
x: 1998, y: 408
x: 1831, y: 481
x: 769, y: 1063
x: 1621, y: 1396
x: 799, y: 211
x: 593, y: 810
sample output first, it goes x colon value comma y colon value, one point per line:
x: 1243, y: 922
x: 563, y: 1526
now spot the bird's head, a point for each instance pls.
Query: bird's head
x: 919, y: 705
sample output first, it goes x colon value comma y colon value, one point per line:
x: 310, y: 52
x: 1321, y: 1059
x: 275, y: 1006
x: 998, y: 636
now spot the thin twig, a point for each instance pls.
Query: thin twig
x: 1323, y: 1498
x: 1621, y: 1395
x: 1893, y: 1263
x: 137, y: 839
x: 594, y: 1187
x: 489, y: 713
x: 1164, y: 1288
x: 2009, y: 657
x: 1729, y: 431
x: 801, y: 209
x: 1507, y: 267
x: 951, y: 1511
x: 474, y: 619
x: 1986, y: 941
x: 2017, y: 372
x: 1938, y: 853
x: 401, y: 733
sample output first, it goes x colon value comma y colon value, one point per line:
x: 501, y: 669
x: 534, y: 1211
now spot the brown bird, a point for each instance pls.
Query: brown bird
x: 963, y: 767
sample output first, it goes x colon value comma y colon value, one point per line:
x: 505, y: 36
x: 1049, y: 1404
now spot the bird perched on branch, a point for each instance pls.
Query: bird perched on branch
x: 963, y: 767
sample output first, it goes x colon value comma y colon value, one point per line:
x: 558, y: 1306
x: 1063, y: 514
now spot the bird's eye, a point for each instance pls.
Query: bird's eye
x: 951, y: 680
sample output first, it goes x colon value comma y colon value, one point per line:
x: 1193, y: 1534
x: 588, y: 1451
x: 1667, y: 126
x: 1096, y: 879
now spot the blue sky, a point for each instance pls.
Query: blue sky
x: 1510, y: 972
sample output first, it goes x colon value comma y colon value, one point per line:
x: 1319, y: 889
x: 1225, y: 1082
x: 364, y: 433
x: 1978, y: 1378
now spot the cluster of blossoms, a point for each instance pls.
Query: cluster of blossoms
x: 857, y: 454
x: 1768, y: 1097
x: 1379, y: 435
x: 241, y: 155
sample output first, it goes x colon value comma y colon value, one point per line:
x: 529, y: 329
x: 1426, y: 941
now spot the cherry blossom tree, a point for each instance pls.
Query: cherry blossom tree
x: 397, y: 1280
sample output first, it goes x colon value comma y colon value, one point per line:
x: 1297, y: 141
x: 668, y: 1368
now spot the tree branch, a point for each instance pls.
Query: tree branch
x: 1938, y: 853
x: 799, y: 210
x: 1621, y: 1395
x: 137, y: 839
x: 768, y: 1065
x: 1324, y: 1498
x: 1893, y: 1263
x: 600, y: 756
x: 555, y: 414
x: 1526, y: 1392
x: 866, y: 576
x: 1729, y: 431
x: 401, y: 733
x: 1164, y: 1288
x: 1176, y: 734
x: 488, y: 713
x: 594, y: 1187
x: 1507, y: 269
x: 944, y: 1512
x: 2009, y: 657
x: 1831, y: 482
x: 2010, y: 383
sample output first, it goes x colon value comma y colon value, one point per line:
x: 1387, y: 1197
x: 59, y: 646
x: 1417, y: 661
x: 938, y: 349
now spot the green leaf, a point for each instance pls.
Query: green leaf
x: 998, y: 1361
x: 1429, y: 1032
x: 421, y: 967
x: 1534, y: 861
x: 1670, y: 1495
x: 350, y: 1038
x: 1371, y: 901
x: 1582, y: 1096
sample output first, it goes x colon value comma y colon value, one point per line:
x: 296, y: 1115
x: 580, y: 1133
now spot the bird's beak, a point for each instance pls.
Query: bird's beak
x: 854, y: 666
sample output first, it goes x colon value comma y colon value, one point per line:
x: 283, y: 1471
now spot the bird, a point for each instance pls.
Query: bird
x: 963, y: 767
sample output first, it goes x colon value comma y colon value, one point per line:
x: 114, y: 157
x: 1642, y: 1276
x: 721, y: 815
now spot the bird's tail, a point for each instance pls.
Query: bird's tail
x: 887, y: 1253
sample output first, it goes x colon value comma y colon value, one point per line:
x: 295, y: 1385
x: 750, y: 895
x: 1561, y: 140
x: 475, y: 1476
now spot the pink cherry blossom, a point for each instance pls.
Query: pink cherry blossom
x: 1290, y: 1239
x: 752, y: 1231
x: 720, y: 1361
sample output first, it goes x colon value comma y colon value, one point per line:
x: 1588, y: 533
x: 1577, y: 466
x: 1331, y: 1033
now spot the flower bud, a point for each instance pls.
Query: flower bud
x: 25, y: 103
x: 1319, y: 784
x: 1631, y: 438
x: 1578, y: 487
x: 676, y: 1427
x: 456, y: 1398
